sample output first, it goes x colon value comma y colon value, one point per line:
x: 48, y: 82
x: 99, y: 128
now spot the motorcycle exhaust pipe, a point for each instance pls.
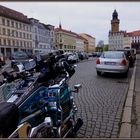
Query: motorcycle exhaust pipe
x: 77, y: 126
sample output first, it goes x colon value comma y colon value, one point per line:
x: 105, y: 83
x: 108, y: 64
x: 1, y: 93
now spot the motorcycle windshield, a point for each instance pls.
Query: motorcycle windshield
x: 8, y: 90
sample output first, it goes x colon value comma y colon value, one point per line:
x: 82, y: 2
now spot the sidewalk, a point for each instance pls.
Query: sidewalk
x: 130, y: 126
x: 135, y: 122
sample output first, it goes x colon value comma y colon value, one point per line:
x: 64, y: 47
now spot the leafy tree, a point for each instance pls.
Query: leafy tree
x: 105, y: 48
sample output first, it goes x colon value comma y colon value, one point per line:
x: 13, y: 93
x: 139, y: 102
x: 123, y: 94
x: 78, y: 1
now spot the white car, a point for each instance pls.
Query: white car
x: 112, y: 62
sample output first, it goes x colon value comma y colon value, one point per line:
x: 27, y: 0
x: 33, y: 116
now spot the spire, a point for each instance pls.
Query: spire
x: 115, y: 14
x: 60, y: 25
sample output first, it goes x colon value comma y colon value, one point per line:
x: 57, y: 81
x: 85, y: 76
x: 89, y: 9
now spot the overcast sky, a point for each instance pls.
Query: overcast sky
x: 82, y: 17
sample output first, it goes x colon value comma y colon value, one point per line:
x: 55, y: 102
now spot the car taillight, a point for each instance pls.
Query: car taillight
x: 98, y: 61
x: 124, y: 62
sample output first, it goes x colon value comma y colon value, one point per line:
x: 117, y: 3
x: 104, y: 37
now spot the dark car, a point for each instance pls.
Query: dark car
x: 129, y: 55
x: 98, y: 54
x: 2, y: 60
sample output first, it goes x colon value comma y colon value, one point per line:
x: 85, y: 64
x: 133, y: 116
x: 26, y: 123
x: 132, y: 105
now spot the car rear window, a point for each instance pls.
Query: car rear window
x: 112, y: 55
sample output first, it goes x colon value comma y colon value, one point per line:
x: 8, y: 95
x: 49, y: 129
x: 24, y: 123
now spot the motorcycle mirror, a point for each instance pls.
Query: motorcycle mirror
x: 77, y: 87
x: 74, y: 66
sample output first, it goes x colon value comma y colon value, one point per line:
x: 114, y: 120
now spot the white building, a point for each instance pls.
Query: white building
x: 127, y: 41
x: 41, y: 39
x: 116, y: 40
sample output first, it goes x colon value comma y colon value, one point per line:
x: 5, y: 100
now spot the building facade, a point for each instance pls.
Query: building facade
x: 90, y: 42
x: 51, y: 35
x: 43, y: 36
x: 127, y: 40
x: 135, y: 39
x: 116, y: 40
x: 65, y: 40
x: 15, y: 32
x: 80, y: 44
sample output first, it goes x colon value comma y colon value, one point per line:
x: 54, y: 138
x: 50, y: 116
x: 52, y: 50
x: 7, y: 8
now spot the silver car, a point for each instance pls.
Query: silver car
x: 112, y: 62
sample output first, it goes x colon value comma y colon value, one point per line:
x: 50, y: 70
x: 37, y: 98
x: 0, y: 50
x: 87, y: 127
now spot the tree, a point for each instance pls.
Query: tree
x: 105, y: 47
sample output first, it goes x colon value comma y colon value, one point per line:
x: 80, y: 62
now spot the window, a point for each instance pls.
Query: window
x: 13, y: 42
x: 4, y: 41
x: 24, y: 44
x: 8, y: 32
x: 9, y: 42
x: 16, y: 25
x: 21, y: 43
x: 13, y: 33
x: 27, y: 36
x: 3, y: 21
x: 30, y: 36
x: 12, y: 22
x: 4, y: 32
x: 20, y: 26
x: 16, y: 34
x: 8, y: 23
x: 23, y: 35
x: 24, y: 27
x: 20, y: 34
x: 17, y: 43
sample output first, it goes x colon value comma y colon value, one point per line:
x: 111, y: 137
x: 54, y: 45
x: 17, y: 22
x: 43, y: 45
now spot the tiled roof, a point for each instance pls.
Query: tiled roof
x: 134, y: 33
x: 9, y: 13
x: 70, y: 32
x: 63, y: 30
x: 88, y: 35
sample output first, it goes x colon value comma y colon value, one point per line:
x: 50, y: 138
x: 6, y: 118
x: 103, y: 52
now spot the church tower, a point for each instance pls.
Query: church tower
x: 115, y: 22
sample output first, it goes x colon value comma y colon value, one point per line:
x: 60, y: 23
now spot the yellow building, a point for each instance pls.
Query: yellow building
x: 15, y: 31
x: 89, y: 42
x: 65, y: 40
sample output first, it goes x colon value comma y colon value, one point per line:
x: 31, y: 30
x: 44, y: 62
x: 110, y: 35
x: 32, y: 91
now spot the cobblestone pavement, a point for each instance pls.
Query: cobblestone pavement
x: 100, y: 101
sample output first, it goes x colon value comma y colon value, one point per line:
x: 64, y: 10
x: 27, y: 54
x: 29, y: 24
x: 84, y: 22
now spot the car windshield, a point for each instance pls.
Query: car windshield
x: 112, y: 55
x: 17, y: 55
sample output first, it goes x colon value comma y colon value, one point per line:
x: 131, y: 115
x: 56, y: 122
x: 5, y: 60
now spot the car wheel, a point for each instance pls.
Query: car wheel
x: 98, y: 73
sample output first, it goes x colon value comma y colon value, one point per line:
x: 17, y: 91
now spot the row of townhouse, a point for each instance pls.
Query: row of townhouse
x: 73, y: 42
x: 20, y: 33
x: 122, y: 39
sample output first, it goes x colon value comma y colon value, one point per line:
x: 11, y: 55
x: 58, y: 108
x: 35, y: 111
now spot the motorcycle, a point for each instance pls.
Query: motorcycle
x: 49, y: 112
x: 48, y: 109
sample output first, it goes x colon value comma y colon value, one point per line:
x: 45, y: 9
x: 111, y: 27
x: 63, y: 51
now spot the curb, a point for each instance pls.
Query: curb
x: 125, y: 130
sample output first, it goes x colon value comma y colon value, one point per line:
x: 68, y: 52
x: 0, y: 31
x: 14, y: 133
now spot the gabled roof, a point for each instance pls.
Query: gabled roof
x: 63, y: 30
x: 88, y: 35
x: 12, y: 14
x: 70, y: 32
x: 134, y: 33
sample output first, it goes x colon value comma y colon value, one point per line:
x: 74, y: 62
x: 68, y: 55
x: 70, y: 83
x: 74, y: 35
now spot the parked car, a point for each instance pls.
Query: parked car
x: 133, y: 52
x: 2, y: 60
x: 90, y: 55
x: 129, y: 55
x: 73, y: 58
x: 98, y: 54
x: 94, y: 54
x: 112, y: 62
